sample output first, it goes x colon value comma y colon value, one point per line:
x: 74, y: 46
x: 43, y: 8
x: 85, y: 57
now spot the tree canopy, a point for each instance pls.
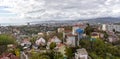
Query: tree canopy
x: 6, y: 39
x: 52, y: 45
x: 98, y: 48
x: 69, y: 52
x: 88, y: 30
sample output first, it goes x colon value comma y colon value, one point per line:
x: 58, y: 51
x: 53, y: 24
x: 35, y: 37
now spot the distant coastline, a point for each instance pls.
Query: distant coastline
x: 12, y: 24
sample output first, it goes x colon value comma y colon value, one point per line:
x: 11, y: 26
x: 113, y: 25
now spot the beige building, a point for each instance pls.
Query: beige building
x: 81, y: 54
x: 60, y: 30
x: 74, y: 30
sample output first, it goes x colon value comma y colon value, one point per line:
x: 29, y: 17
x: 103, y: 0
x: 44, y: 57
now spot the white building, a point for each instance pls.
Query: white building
x: 104, y: 27
x: 81, y: 54
x: 55, y: 39
x: 111, y: 27
x: 116, y: 27
x: 60, y: 30
x: 74, y: 28
x: 40, y: 41
x: 71, y: 41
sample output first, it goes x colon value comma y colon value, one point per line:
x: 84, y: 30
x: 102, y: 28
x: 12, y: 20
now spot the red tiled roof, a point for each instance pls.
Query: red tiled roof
x: 70, y: 34
x: 59, y: 45
x: 9, y: 55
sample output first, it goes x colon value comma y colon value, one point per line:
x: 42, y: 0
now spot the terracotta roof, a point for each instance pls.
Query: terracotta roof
x: 59, y: 45
x: 70, y: 34
x: 8, y: 55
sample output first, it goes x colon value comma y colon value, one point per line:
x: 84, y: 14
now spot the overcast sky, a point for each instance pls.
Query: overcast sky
x: 37, y: 10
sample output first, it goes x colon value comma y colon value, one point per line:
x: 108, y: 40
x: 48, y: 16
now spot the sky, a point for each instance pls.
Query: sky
x: 18, y: 11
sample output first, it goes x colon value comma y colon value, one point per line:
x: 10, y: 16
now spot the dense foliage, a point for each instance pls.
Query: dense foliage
x: 52, y: 45
x: 100, y: 49
x: 69, y: 52
x: 6, y: 39
x: 88, y: 30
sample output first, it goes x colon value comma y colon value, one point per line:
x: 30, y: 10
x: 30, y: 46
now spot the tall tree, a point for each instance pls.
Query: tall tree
x: 88, y: 30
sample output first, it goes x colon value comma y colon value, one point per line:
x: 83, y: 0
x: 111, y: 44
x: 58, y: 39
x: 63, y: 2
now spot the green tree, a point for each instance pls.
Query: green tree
x: 52, y: 45
x: 105, y: 35
x: 44, y: 57
x: 4, y: 41
x: 85, y: 43
x: 33, y: 39
x: 60, y: 35
x: 39, y: 56
x: 58, y: 55
x: 88, y: 30
x: 68, y: 52
x: 99, y: 47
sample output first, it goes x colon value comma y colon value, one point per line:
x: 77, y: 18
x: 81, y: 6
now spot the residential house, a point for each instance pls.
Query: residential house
x: 26, y: 43
x: 54, y: 39
x: 71, y: 40
x: 50, y: 32
x: 40, y: 34
x: 40, y: 41
x: 60, y: 30
x: 113, y: 38
x: 95, y: 35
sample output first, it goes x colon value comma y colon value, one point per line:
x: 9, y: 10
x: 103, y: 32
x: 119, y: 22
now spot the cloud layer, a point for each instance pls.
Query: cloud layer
x: 62, y: 9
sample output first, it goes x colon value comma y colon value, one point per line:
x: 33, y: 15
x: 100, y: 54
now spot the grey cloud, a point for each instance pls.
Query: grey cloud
x: 66, y: 9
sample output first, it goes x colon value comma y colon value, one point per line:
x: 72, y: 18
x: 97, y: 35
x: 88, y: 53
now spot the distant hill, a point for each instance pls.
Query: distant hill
x: 105, y: 20
x: 94, y: 20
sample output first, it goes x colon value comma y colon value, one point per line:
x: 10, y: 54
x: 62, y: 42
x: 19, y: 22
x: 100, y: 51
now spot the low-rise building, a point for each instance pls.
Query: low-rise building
x: 81, y: 54
x: 95, y: 35
x: 60, y: 30
x: 111, y: 27
x: 40, y: 41
x: 54, y: 39
x: 113, y: 38
x: 26, y: 43
x: 74, y: 28
x: 71, y: 40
